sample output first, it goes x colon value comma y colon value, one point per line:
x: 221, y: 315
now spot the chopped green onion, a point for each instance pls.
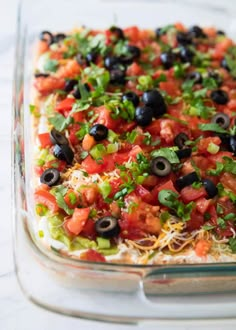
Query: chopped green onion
x: 105, y: 189
x: 98, y: 151
x: 112, y: 148
x: 213, y: 148
x: 103, y: 243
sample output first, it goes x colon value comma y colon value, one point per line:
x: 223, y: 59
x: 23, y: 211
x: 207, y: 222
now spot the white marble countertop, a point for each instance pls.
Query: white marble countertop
x: 16, y: 313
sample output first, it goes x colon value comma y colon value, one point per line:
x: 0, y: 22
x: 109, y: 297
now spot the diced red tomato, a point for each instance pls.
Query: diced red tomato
x: 38, y: 170
x: 89, y: 229
x: 46, y: 198
x: 101, y: 204
x: 92, y: 255
x: 89, y: 194
x: 70, y: 70
x: 228, y: 231
x: 60, y: 165
x: 125, y: 127
x: 132, y: 33
x: 150, y: 181
x: 130, y: 230
x: 229, y: 181
x: 71, y: 198
x: 204, y: 143
x: 202, y: 204
x: 201, y: 162
x: 189, y: 194
x: 196, y: 221
x: 44, y: 140
x: 47, y: 85
x: 65, y: 105
x: 218, y: 157
x: 134, y: 70
x: 228, y: 207
x: 72, y: 134
x: 77, y: 116
x: 92, y: 167
x: 115, y: 186
x: 76, y: 223
x: 145, y: 195
x: 213, y: 215
x: 134, y: 152
x: 168, y: 185
x: 104, y: 118
x: 169, y: 87
x: 115, y: 209
x: 154, y: 128
x: 143, y: 216
x: 122, y: 157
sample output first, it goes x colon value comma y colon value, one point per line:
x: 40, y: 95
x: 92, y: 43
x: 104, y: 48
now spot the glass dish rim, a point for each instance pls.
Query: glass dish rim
x: 52, y: 256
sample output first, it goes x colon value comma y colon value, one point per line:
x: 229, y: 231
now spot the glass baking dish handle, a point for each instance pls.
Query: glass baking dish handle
x: 161, y: 293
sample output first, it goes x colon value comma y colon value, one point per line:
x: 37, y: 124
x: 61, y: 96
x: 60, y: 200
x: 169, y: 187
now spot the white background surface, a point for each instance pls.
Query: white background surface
x: 16, y: 313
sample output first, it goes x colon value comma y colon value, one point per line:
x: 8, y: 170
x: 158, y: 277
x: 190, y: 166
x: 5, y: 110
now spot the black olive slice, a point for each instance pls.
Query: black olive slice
x: 210, y: 188
x: 195, y: 76
x: 70, y: 84
x: 184, y: 38
x: 167, y: 59
x: 107, y: 227
x: 118, y: 32
x: 225, y: 139
x: 221, y: 119
x: 219, y: 96
x: 99, y: 132
x: 224, y: 64
x: 76, y: 93
x: 111, y: 62
x: 184, y: 153
x: 158, y: 32
x: 143, y: 115
x: 57, y: 137
x: 186, y: 55
x: 39, y: 75
x: 196, y: 32
x: 50, y: 177
x: 134, y: 54
x: 180, y: 140
x: 153, y: 98
x: 232, y: 144
x: 132, y: 97
x: 220, y: 33
x: 63, y: 152
x: 91, y: 57
x: 59, y: 37
x: 186, y: 180
x: 117, y: 77
x: 160, y: 166
x: 80, y: 59
x: 215, y: 75
x: 46, y: 36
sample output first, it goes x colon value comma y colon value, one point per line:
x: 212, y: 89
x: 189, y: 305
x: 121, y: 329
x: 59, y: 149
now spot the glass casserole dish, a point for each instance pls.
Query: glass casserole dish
x: 129, y: 293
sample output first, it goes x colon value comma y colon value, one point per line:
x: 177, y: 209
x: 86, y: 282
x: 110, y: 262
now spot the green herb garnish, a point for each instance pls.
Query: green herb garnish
x: 60, y: 122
